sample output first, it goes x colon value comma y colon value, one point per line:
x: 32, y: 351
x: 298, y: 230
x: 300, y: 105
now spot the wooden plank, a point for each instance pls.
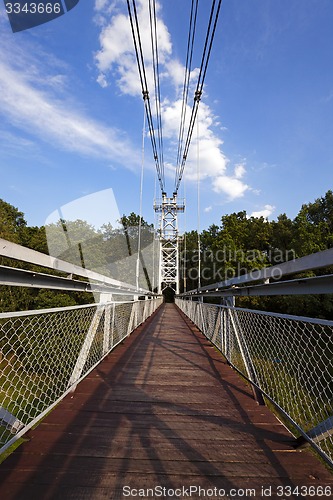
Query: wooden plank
x: 163, y: 408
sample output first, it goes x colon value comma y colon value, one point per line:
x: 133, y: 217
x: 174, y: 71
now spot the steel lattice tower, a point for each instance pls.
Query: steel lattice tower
x: 169, y: 241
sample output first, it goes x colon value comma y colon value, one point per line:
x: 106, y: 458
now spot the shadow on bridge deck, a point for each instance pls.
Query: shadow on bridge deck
x: 162, y: 410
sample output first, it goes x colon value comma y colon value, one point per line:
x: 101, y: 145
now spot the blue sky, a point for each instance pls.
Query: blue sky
x: 72, y: 112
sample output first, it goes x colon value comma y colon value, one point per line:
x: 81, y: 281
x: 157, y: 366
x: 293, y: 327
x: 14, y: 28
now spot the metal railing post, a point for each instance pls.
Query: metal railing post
x: 200, y: 314
x: 248, y: 363
x: 107, y: 299
x: 217, y: 327
x: 107, y: 325
x: 85, y: 349
x: 133, y: 317
x: 113, y: 325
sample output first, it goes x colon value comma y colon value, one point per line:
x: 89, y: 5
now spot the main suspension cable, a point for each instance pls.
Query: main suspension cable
x: 157, y: 146
x: 187, y: 75
x: 133, y: 17
x: 154, y: 48
x: 214, y: 14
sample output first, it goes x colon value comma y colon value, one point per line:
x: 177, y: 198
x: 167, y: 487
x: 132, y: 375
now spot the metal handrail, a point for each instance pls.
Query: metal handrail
x: 18, y: 252
x: 317, y: 260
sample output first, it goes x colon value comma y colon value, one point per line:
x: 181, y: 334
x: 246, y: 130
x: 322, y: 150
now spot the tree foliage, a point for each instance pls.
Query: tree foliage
x: 108, y: 251
x: 241, y: 244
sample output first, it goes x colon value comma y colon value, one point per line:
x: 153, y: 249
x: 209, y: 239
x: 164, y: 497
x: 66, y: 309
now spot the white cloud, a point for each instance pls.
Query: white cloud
x: 232, y: 187
x: 239, y: 171
x: 175, y: 70
x: 100, y: 4
x: 116, y: 59
x: 212, y: 161
x: 115, y: 40
x: 117, y: 48
x: 208, y: 209
x: 29, y: 99
x: 265, y: 212
x: 102, y: 80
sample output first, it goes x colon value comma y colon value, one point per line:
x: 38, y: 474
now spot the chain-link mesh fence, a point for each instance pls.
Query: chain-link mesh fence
x: 289, y: 358
x: 43, y: 354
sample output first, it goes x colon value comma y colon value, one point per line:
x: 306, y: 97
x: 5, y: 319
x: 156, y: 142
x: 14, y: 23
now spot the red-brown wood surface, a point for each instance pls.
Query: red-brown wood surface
x: 162, y: 410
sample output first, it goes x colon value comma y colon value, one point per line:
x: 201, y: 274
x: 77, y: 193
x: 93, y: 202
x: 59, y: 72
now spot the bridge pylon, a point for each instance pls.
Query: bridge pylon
x: 168, y: 208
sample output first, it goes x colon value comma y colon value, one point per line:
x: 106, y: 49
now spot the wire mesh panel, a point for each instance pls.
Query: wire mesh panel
x: 44, y: 354
x: 289, y: 358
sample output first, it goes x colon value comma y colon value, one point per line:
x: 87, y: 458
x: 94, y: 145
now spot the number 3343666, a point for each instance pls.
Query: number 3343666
x: 33, y: 8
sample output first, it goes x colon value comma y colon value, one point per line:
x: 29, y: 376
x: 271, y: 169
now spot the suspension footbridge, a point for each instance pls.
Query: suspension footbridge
x: 130, y: 393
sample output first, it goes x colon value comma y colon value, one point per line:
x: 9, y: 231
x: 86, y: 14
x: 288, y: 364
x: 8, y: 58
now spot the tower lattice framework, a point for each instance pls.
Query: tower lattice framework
x: 168, y: 208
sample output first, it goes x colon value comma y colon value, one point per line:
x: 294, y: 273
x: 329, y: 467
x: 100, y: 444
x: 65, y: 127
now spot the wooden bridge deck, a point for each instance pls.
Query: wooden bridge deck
x: 163, y: 410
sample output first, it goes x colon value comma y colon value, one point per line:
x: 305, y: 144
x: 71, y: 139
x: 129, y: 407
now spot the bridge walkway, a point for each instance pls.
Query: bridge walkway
x: 162, y: 410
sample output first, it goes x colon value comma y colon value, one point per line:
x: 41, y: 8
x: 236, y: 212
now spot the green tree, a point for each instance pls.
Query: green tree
x: 34, y: 237
x: 12, y: 222
x: 314, y: 226
x: 51, y: 298
x: 282, y: 239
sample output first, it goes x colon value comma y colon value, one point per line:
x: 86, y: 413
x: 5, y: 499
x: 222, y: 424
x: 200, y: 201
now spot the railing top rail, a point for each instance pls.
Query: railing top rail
x: 317, y: 321
x: 35, y: 312
x: 314, y: 261
x: 298, y: 286
x: 18, y: 252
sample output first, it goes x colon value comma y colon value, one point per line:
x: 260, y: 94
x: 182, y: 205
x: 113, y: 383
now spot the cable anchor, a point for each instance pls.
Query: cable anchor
x: 197, y: 95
